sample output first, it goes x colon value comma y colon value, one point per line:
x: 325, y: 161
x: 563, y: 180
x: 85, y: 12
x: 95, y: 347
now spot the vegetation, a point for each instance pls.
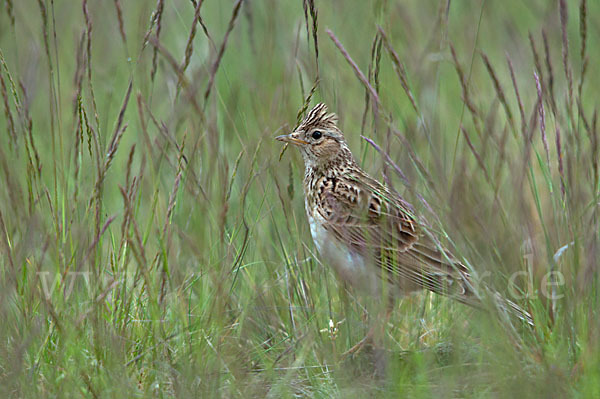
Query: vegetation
x: 154, y: 242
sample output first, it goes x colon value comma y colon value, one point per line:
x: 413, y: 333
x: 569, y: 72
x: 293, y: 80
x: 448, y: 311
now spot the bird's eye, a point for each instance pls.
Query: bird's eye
x: 317, y: 135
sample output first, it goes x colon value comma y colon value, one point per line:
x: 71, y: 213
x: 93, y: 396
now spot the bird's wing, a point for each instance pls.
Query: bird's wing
x: 378, y: 224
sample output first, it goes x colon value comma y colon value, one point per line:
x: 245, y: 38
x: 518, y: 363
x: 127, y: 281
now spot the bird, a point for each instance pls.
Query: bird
x: 370, y: 235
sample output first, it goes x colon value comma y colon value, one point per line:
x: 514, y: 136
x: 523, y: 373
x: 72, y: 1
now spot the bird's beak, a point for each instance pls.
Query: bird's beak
x: 291, y: 138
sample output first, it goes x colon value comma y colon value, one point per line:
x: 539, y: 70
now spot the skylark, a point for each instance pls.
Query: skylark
x: 366, y: 232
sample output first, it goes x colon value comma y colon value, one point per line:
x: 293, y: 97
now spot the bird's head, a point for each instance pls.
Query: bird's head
x: 319, y: 139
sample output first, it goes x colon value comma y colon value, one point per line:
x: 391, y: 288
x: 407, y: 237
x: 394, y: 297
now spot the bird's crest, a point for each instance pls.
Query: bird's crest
x: 318, y: 116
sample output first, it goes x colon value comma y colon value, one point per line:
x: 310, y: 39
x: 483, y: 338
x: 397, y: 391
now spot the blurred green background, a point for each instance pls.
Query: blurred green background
x: 154, y: 243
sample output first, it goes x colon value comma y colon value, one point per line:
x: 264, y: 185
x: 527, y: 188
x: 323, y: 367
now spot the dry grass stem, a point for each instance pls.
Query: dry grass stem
x: 499, y: 90
x: 355, y: 68
x: 215, y: 66
x: 517, y: 95
x: 399, y: 68
x: 542, y: 115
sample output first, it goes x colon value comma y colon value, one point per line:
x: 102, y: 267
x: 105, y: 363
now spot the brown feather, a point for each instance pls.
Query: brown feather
x: 366, y: 221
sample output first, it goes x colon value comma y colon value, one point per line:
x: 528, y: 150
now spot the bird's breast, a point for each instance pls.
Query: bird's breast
x: 350, y: 266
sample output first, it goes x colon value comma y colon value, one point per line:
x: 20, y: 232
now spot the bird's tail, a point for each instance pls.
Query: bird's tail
x: 510, y: 308
x: 447, y: 276
x: 468, y: 294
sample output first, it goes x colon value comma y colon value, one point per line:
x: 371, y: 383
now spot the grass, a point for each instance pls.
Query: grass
x: 154, y: 243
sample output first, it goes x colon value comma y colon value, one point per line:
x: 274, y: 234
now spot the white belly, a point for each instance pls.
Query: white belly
x: 350, y: 267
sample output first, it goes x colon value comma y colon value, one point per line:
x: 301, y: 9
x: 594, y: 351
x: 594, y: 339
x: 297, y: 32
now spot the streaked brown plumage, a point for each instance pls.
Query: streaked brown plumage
x: 367, y: 233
